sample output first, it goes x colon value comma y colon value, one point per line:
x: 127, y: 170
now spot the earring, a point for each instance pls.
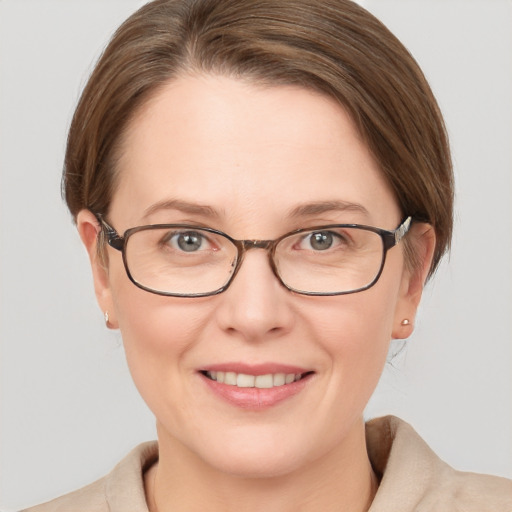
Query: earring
x: 405, y: 322
x: 107, y: 323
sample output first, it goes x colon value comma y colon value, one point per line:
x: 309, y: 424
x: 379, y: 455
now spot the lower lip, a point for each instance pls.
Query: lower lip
x: 256, y: 398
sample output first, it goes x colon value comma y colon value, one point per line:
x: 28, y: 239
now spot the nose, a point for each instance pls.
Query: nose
x: 255, y: 306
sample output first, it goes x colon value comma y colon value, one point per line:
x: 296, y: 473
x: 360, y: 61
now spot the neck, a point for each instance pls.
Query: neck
x: 342, y: 480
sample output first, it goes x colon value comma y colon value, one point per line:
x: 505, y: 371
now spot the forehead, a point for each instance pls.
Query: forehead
x: 245, y: 151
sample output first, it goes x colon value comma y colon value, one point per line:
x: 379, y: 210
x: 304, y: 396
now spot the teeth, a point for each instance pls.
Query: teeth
x: 279, y: 379
x: 230, y: 378
x: 264, y: 381
x: 243, y: 380
x: 290, y: 377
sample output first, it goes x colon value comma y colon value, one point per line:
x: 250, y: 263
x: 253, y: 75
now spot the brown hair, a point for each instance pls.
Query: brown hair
x: 332, y: 46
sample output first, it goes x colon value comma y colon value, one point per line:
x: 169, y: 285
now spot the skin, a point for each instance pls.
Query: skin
x: 253, y: 155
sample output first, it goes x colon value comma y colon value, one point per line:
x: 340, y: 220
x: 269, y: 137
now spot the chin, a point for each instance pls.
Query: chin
x: 260, y: 466
x: 254, y: 455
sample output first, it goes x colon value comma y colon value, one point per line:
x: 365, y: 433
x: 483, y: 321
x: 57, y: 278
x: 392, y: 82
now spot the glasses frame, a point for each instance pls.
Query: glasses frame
x: 390, y: 238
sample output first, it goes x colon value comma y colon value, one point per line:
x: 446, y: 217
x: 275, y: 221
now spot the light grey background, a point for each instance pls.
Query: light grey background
x: 69, y: 411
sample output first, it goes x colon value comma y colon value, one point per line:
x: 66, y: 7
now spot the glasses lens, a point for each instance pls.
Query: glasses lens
x: 188, y: 261
x: 329, y: 260
x: 180, y: 261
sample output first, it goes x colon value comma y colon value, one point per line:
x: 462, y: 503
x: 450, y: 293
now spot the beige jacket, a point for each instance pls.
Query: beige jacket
x: 413, y: 478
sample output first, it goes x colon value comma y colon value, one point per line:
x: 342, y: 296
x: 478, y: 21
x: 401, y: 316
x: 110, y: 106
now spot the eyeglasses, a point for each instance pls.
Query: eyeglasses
x: 181, y: 260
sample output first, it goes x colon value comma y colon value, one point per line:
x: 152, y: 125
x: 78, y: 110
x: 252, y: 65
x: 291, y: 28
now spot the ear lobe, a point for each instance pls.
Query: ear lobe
x: 423, y: 241
x: 88, y: 229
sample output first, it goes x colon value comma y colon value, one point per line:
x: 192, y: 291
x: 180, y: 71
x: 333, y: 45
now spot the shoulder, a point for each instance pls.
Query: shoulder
x: 413, y: 478
x: 122, y: 489
x: 90, y: 498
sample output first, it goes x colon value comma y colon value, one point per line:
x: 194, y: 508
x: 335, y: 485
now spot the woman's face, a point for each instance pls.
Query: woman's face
x: 255, y: 163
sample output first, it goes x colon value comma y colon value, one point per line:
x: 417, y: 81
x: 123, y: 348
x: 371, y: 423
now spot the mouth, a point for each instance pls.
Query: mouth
x: 245, y: 380
x: 255, y: 387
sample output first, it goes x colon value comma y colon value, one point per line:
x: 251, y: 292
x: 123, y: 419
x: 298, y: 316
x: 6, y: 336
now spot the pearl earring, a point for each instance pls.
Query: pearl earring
x: 405, y: 322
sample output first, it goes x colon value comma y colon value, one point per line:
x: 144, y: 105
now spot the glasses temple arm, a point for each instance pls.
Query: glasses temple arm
x: 402, y: 230
x: 113, y: 238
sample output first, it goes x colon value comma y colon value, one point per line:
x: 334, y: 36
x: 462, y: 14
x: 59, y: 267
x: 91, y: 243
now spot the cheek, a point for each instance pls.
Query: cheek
x: 152, y: 324
x: 355, y: 331
x: 158, y: 333
x: 155, y: 324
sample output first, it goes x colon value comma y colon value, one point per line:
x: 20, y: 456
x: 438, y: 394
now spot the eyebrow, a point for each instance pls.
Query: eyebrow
x: 182, y: 206
x: 303, y: 210
x: 317, y: 208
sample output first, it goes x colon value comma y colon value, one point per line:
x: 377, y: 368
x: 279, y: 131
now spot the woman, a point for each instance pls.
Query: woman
x: 263, y: 190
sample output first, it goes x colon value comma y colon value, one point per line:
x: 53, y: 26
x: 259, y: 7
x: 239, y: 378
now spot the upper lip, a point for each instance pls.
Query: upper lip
x: 255, y: 369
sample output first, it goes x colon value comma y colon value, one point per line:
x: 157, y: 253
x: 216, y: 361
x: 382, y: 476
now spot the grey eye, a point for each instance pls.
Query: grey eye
x: 321, y: 241
x: 190, y: 241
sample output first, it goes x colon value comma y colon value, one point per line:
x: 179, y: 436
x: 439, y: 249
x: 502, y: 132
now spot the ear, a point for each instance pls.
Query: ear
x: 423, y: 241
x: 89, y: 229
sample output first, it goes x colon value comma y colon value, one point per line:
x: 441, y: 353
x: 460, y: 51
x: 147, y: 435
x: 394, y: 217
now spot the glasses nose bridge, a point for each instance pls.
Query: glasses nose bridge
x: 246, y: 245
x: 267, y: 245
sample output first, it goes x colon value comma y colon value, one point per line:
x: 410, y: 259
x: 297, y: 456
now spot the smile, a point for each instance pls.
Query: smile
x: 255, y: 387
x: 243, y: 380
